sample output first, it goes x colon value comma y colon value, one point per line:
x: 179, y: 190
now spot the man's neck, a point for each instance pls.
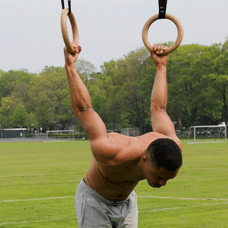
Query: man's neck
x: 139, y: 169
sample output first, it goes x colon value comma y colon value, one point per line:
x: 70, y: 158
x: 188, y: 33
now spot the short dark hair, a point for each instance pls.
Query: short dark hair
x: 165, y: 153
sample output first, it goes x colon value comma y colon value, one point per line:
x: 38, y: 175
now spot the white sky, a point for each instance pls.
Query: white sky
x: 108, y: 29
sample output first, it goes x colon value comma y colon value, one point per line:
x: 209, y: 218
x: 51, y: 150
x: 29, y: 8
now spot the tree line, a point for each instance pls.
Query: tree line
x: 197, y: 79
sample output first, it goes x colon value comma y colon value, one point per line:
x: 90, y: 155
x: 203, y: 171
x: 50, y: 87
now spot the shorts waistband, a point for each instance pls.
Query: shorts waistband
x: 93, y: 192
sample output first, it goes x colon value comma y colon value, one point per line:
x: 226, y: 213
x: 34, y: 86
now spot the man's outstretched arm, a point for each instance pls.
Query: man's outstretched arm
x: 161, y: 122
x: 80, y: 99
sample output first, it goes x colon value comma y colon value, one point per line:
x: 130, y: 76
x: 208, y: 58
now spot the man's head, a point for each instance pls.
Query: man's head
x: 163, y: 160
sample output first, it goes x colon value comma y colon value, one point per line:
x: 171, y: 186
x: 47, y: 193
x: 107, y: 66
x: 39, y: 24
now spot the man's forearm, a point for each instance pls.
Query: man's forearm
x: 159, y: 92
x: 79, y: 94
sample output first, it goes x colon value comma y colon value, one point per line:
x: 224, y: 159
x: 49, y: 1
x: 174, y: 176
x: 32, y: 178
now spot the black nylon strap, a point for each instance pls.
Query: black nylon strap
x: 69, y: 5
x: 63, y: 6
x: 162, y: 8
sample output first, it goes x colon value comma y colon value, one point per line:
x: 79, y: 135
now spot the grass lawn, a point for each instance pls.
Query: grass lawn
x: 38, y: 182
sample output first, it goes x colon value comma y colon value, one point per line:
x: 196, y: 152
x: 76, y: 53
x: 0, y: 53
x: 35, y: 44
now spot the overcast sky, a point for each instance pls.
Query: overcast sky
x: 108, y: 29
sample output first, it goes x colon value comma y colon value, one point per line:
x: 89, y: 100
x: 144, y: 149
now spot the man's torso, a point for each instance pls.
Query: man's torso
x: 116, y: 182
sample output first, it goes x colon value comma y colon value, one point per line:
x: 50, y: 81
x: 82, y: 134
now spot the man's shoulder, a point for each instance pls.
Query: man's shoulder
x: 133, y: 143
x: 106, y: 149
x: 126, y: 142
x: 152, y: 136
x: 117, y: 149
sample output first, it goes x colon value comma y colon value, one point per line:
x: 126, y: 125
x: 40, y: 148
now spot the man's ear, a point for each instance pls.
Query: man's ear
x: 145, y: 157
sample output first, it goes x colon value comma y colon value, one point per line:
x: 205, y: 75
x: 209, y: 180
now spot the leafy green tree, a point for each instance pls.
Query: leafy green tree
x: 32, y: 120
x: 19, y: 117
x: 111, y: 110
x: 112, y: 84
x: 126, y: 103
x: 188, y: 94
x: 49, y: 98
x: 197, y: 79
x: 85, y: 68
x: 10, y: 79
x: 6, y: 111
x: 1, y: 72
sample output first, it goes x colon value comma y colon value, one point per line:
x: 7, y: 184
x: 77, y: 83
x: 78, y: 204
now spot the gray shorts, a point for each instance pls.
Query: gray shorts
x: 94, y: 211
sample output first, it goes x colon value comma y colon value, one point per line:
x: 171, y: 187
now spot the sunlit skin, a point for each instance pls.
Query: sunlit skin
x: 120, y: 162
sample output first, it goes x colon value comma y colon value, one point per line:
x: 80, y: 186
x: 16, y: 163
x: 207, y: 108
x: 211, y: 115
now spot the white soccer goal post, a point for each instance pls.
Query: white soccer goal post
x: 207, y: 134
x: 61, y: 134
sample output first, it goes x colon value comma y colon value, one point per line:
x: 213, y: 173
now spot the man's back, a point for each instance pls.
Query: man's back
x: 115, y: 178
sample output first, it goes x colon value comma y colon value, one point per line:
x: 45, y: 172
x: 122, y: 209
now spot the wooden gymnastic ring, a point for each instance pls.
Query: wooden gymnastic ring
x: 179, y: 30
x: 65, y: 32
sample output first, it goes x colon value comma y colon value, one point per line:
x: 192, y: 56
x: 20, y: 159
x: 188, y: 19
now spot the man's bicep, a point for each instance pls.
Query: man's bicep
x: 161, y: 123
x: 92, y: 124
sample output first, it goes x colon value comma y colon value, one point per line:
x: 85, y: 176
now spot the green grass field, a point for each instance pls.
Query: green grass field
x: 38, y: 182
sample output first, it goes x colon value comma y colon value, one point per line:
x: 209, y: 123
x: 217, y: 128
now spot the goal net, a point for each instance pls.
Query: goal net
x: 207, y: 134
x: 60, y: 135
